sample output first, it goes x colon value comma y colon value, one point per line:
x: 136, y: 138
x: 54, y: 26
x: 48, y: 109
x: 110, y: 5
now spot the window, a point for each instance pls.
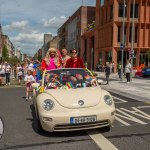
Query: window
x: 136, y: 34
x: 121, y: 7
x: 136, y: 12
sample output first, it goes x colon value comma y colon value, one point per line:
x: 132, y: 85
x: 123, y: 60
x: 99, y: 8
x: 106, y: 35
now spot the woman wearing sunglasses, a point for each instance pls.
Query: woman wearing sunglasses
x: 74, y: 61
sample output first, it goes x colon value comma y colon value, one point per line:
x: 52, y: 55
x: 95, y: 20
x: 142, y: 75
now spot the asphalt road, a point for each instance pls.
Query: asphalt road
x: 130, y: 131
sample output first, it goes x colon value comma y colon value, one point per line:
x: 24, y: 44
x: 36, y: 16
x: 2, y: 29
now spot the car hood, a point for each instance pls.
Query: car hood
x: 70, y: 98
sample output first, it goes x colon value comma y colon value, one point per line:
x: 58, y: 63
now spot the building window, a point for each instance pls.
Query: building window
x: 111, y: 12
x: 119, y: 29
x: 136, y: 12
x: 121, y: 7
x: 136, y: 34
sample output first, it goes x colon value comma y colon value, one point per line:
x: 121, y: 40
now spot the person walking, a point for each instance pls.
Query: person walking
x: 107, y: 72
x: 128, y: 70
x: 119, y: 69
x: 29, y: 79
x: 74, y: 61
x: 2, y: 73
x: 65, y: 57
x: 7, y: 73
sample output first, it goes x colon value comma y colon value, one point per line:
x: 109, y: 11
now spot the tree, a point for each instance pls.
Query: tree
x: 5, y: 54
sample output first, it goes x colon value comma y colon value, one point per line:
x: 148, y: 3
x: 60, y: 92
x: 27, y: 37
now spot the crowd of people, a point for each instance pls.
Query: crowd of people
x: 31, y: 71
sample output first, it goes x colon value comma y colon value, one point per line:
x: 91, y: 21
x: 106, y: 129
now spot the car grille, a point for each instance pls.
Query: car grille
x: 73, y: 127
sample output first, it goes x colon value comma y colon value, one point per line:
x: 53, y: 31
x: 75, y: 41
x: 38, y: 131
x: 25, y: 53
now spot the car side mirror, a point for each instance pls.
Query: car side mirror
x: 100, y: 81
x: 35, y: 85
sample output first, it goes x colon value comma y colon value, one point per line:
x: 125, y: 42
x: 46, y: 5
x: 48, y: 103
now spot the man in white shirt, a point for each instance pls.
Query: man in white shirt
x: 128, y: 71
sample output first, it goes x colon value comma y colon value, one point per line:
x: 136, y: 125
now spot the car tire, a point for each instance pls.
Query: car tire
x: 38, y: 124
x: 107, y: 128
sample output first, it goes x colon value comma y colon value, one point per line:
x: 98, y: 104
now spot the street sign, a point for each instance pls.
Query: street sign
x: 121, y: 46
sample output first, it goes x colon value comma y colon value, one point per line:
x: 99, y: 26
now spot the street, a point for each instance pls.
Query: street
x: 130, y: 131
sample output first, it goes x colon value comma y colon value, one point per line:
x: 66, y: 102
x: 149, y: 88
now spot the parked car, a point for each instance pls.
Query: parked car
x: 146, y: 72
x: 72, y: 100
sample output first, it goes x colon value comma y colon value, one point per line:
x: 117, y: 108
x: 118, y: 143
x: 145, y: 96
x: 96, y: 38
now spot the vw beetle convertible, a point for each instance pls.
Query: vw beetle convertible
x: 72, y: 100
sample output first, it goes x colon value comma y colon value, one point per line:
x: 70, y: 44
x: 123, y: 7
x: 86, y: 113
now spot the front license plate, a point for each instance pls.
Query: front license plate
x: 77, y: 120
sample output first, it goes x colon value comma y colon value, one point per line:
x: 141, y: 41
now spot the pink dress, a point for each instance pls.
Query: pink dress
x: 52, y: 65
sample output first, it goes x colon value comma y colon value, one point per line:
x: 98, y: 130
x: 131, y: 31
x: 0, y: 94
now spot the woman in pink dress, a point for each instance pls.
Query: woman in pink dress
x: 51, y: 60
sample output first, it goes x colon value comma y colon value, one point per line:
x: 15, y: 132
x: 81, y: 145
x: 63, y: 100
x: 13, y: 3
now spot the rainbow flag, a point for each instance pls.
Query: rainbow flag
x: 69, y: 84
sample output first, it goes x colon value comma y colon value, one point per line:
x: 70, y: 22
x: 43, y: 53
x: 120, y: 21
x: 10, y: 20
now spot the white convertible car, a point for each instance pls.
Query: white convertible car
x: 72, y: 100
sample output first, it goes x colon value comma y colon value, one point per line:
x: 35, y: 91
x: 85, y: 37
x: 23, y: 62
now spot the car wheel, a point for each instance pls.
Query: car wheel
x: 38, y: 124
x: 107, y: 129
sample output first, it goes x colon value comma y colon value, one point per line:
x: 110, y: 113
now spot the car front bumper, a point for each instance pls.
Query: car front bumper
x: 60, y: 121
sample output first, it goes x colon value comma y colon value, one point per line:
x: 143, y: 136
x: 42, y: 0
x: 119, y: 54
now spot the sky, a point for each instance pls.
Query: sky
x: 26, y: 21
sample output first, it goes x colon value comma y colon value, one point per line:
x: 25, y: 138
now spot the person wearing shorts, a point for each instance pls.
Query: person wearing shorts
x: 29, y: 79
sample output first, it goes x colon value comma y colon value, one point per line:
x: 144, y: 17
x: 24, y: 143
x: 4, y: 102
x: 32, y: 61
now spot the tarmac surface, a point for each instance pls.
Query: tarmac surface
x: 138, y: 88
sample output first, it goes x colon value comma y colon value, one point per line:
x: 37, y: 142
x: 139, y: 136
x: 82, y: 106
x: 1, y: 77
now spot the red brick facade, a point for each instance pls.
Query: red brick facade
x: 106, y: 38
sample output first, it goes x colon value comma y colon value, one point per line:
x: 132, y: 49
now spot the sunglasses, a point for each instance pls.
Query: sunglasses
x: 74, y: 52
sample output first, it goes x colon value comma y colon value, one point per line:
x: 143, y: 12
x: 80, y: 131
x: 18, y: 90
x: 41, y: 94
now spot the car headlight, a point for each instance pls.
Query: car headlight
x: 48, y: 104
x: 108, y: 100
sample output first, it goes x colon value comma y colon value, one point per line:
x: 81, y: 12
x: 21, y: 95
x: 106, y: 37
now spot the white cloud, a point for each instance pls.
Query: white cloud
x: 54, y: 22
x: 28, y: 41
x: 19, y: 25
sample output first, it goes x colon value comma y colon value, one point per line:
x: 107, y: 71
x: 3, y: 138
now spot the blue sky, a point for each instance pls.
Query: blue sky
x: 26, y: 21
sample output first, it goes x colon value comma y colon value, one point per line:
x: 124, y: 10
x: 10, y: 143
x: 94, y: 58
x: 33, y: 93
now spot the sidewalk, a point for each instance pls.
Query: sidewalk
x: 138, y: 89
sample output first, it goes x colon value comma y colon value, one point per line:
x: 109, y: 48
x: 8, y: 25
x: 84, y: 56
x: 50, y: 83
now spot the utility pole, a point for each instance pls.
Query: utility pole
x: 132, y: 43
x: 123, y: 39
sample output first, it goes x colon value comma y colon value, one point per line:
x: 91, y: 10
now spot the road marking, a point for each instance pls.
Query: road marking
x: 1, y: 128
x: 127, y: 116
x: 143, y: 107
x: 122, y: 121
x: 119, y: 100
x: 100, y: 140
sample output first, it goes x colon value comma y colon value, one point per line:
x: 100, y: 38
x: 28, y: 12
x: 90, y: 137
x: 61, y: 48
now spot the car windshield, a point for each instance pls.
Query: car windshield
x: 68, y: 78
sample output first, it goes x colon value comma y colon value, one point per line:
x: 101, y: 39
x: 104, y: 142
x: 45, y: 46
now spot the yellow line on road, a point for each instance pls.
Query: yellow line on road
x: 147, y: 102
x: 100, y: 140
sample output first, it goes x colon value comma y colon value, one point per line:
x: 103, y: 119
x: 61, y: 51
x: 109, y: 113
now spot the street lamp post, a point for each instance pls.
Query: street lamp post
x: 132, y: 43
x: 123, y: 40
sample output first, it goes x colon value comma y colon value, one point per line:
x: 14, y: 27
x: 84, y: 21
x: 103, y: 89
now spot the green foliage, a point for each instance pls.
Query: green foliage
x: 39, y: 58
x: 5, y: 54
x: 13, y: 60
x: 148, y: 54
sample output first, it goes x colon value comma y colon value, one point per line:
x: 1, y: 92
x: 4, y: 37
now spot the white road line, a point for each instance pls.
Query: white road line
x: 1, y: 128
x: 100, y: 140
x: 119, y: 100
x: 143, y: 107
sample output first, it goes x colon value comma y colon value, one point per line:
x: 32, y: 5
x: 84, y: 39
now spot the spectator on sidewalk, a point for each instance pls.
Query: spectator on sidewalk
x: 74, y: 61
x: 119, y: 69
x: 2, y: 73
x: 128, y: 70
x: 107, y: 72
x: 7, y: 73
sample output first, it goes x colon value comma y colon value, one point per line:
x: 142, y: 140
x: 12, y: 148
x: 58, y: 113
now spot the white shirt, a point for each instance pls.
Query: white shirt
x: 128, y: 68
x: 8, y: 69
x: 29, y: 78
x: 2, y: 69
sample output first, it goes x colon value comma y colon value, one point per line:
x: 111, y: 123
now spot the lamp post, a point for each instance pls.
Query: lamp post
x: 132, y: 43
x: 123, y: 39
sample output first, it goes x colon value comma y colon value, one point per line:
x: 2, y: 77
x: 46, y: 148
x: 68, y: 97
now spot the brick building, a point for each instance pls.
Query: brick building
x: 103, y: 42
x: 71, y: 31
